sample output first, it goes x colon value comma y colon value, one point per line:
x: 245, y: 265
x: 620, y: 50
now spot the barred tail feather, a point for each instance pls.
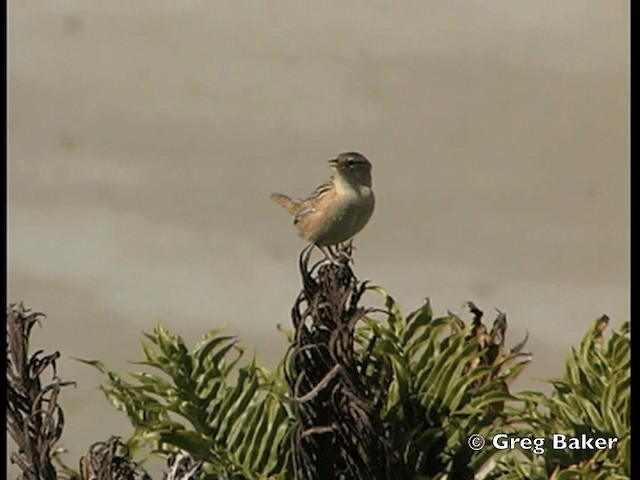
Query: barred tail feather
x: 286, y: 202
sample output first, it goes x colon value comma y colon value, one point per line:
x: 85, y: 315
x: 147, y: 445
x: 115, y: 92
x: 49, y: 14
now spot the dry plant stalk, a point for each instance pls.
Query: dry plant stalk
x: 182, y: 466
x: 491, y: 342
x: 34, y: 418
x: 339, y: 433
x: 106, y: 461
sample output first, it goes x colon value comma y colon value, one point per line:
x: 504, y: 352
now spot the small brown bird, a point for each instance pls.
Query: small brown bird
x: 337, y: 209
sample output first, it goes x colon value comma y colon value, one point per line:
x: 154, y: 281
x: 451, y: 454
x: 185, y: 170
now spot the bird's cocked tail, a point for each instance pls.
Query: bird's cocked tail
x: 286, y: 202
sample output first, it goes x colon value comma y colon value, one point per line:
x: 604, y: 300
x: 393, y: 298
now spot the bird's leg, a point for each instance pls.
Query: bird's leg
x: 333, y: 255
x: 324, y: 251
x: 329, y: 254
x: 349, y: 247
x: 344, y: 251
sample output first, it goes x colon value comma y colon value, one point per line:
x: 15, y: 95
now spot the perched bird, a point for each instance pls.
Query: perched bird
x: 337, y: 209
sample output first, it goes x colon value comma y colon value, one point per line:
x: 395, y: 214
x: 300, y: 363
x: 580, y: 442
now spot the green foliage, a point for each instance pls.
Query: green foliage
x: 444, y: 389
x: 448, y: 381
x: 591, y: 398
x: 236, y: 429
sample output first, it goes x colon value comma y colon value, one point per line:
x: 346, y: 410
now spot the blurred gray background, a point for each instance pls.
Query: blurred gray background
x: 145, y: 138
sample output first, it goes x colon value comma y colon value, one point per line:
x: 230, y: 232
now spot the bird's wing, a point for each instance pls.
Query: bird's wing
x: 307, y: 205
x: 322, y: 189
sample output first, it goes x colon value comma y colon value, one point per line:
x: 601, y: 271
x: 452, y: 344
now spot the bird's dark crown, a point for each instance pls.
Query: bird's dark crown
x: 352, y: 158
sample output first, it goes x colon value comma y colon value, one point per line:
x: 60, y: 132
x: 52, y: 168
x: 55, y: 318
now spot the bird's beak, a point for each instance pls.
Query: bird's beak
x: 333, y: 162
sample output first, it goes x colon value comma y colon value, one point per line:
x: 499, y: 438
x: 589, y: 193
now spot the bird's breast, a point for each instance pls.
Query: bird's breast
x: 354, y: 210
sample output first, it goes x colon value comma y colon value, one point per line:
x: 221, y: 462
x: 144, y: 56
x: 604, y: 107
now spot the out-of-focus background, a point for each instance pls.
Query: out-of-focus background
x: 145, y: 138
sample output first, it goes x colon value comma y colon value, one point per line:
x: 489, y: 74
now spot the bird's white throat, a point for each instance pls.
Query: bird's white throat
x: 345, y: 185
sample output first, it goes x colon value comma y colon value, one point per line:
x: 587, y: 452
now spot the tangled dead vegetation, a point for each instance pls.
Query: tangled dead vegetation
x: 337, y: 397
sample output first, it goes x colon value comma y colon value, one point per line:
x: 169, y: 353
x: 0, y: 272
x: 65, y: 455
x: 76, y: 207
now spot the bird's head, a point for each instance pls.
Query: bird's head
x: 353, y: 166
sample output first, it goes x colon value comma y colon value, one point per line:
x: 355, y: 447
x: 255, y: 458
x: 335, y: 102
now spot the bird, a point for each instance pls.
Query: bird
x: 339, y: 208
